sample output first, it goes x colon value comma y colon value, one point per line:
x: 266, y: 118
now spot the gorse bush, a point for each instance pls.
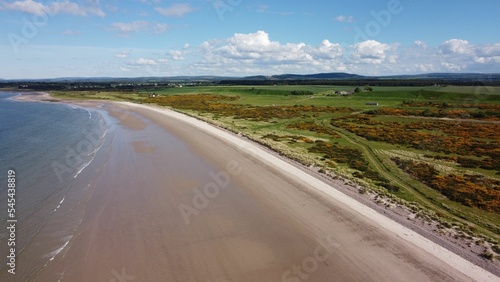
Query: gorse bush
x: 219, y: 104
x: 470, y: 190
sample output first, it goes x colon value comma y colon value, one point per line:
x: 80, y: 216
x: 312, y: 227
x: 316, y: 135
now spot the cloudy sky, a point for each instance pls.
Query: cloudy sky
x: 93, y: 38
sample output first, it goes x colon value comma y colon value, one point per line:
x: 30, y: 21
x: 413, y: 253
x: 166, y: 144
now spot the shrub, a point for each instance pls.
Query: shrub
x: 488, y: 255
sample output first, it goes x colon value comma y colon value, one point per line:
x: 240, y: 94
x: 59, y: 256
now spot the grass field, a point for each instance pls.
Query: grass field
x: 454, y: 132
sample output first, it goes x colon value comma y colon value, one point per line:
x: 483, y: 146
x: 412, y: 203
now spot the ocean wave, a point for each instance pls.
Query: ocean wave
x: 87, y: 187
x: 58, y: 206
x: 62, y: 275
x: 74, y: 107
x: 14, y: 98
x: 54, y: 253
x: 93, y: 153
x: 84, y: 166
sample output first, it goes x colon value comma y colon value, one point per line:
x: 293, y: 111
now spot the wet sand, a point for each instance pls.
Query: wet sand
x: 180, y: 200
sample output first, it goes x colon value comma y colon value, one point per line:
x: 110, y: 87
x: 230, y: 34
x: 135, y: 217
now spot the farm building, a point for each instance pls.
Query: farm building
x: 344, y: 92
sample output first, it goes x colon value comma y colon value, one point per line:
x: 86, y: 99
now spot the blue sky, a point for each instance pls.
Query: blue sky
x: 93, y: 38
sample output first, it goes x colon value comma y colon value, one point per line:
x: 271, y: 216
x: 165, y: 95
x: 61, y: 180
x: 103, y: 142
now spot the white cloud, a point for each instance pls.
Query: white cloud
x: 176, y: 55
x: 461, y: 55
x: 258, y: 47
x: 176, y: 10
x: 265, y: 9
x: 259, y: 53
x: 424, y: 68
x: 138, y: 26
x: 345, y: 19
x: 256, y: 53
x: 492, y: 50
x: 143, y: 62
x: 488, y: 53
x: 123, y: 54
x: 27, y: 6
x: 451, y: 66
x: 455, y: 46
x: 75, y: 9
x: 135, y: 26
x: 253, y: 42
x: 454, y: 55
x: 67, y: 7
x: 420, y: 44
x: 158, y: 28
x: 370, y: 51
x: 328, y: 50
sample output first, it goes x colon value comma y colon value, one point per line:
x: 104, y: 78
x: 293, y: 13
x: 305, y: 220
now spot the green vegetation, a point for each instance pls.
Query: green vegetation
x: 435, y: 148
x: 472, y: 190
x: 98, y: 95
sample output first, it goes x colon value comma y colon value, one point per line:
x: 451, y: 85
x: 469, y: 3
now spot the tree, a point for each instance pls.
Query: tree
x: 357, y: 90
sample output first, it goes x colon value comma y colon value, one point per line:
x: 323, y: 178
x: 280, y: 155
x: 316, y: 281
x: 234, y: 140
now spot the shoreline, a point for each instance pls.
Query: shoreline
x: 29, y: 96
x: 321, y: 186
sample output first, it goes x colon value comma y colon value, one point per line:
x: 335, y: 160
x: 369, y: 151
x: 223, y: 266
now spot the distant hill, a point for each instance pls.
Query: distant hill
x: 349, y: 76
x: 124, y: 79
x: 256, y: 77
x: 336, y: 77
x: 448, y: 76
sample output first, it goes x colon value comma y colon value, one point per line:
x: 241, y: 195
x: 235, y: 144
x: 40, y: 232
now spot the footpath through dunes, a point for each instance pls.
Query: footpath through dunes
x: 180, y: 200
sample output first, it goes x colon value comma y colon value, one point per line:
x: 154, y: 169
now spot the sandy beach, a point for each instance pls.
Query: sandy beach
x: 181, y: 200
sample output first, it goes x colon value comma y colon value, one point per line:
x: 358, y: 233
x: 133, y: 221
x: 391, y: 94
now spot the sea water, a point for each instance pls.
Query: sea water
x: 54, y: 149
